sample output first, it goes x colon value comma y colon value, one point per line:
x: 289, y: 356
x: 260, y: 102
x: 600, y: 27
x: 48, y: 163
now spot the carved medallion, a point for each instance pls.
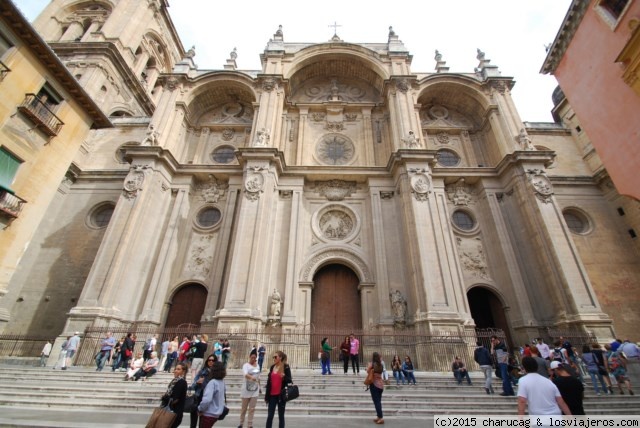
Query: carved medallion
x: 227, y: 134
x: 420, y: 184
x: 254, y: 184
x: 335, y: 225
x: 212, y: 191
x: 335, y: 150
x: 443, y: 138
x: 134, y: 180
x: 541, y: 184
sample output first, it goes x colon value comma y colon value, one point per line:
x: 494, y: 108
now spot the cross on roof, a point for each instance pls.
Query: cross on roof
x: 335, y: 28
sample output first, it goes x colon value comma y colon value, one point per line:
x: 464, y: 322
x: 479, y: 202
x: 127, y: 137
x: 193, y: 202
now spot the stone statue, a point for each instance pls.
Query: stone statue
x: 262, y: 138
x: 391, y: 32
x: 480, y: 56
x: 276, y: 304
x: 151, y: 139
x: 398, y: 305
x: 234, y: 54
x: 438, y: 56
x: 524, y: 140
x: 411, y: 141
x: 191, y: 52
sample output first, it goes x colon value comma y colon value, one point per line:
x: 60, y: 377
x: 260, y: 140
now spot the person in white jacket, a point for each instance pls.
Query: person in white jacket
x: 213, y: 402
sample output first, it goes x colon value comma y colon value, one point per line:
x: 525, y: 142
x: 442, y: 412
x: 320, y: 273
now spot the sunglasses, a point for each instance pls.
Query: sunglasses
x: 275, y: 356
x: 211, y: 361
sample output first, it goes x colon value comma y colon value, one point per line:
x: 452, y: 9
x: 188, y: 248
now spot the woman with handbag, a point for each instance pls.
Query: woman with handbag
x: 198, y: 386
x: 176, y: 393
x: 376, y: 385
x: 345, y: 349
x: 250, y: 389
x: 279, y: 377
x: 212, y: 408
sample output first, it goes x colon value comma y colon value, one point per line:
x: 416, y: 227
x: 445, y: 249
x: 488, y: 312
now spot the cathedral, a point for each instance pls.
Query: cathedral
x: 334, y: 188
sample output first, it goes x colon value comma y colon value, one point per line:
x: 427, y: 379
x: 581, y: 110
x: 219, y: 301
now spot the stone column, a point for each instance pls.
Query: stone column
x: 302, y: 131
x: 291, y: 312
x: 74, y: 31
x: 270, y: 112
x: 382, y: 277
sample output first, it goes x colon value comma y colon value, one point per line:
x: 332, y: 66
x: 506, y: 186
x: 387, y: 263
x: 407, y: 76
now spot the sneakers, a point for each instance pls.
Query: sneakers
x: 487, y: 391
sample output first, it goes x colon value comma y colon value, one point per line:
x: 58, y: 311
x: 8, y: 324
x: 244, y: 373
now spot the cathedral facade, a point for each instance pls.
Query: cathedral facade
x: 334, y: 188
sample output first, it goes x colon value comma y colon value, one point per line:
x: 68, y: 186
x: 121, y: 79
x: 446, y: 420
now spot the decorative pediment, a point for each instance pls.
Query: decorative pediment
x: 322, y: 90
x: 237, y: 113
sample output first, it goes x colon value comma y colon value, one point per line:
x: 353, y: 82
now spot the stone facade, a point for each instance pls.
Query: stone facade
x: 425, y: 185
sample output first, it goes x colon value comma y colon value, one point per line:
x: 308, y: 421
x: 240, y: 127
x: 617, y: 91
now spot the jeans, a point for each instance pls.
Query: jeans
x: 595, y: 373
x: 462, y: 374
x: 345, y: 361
x: 409, y: 376
x: 170, y: 359
x: 355, y: 363
x: 260, y: 361
x: 116, y: 362
x: 326, y: 365
x: 141, y: 373
x: 101, y: 359
x: 376, y: 396
x: 487, y: 370
x: 274, y: 400
x: 398, y: 376
x: 506, y: 379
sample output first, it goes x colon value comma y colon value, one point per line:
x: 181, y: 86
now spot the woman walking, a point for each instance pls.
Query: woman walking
x: 345, y: 349
x: 213, y: 400
x: 592, y: 368
x: 176, y: 393
x: 326, y: 357
x: 250, y: 389
x: 377, y: 387
x: 279, y: 377
x: 199, y: 384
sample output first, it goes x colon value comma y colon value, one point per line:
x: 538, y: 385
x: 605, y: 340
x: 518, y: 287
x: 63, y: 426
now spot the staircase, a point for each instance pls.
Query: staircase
x: 84, y: 397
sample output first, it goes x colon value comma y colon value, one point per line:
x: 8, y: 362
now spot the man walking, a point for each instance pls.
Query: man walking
x: 539, y: 393
x: 44, y: 355
x: 571, y: 389
x: 483, y: 358
x: 72, y: 348
x: 106, y: 346
x: 543, y: 348
x: 499, y: 348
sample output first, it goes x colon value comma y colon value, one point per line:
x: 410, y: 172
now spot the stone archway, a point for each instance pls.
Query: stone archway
x: 487, y: 310
x: 187, y: 305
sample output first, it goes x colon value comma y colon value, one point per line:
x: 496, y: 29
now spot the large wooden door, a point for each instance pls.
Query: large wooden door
x: 335, y: 307
x: 187, y: 306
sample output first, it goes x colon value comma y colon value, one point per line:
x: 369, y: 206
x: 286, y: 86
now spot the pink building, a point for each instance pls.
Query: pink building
x: 596, y: 59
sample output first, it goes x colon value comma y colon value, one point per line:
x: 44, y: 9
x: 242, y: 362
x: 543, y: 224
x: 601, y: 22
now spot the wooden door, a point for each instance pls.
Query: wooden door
x: 187, y: 306
x: 335, y: 307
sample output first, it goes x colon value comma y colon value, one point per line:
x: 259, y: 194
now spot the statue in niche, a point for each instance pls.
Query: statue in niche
x: 262, y: 138
x: 411, y: 141
x: 151, y: 139
x: 524, y: 140
x: 398, y: 305
x: 276, y: 304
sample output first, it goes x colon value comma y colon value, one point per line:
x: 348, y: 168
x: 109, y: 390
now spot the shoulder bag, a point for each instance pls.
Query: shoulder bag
x: 161, y: 417
x: 289, y: 392
x: 369, y: 379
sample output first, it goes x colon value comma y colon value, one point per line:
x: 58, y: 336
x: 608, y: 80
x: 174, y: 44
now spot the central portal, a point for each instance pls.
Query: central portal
x: 335, y: 307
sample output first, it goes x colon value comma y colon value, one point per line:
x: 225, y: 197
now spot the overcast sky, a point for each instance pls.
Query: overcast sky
x: 512, y: 33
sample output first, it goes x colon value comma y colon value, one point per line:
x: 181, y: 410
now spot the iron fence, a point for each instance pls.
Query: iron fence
x: 15, y: 345
x: 429, y: 352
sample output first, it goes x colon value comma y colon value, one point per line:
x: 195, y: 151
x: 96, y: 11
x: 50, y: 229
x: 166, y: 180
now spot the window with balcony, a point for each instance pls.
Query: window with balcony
x: 5, y: 45
x: 10, y: 204
x: 41, y: 108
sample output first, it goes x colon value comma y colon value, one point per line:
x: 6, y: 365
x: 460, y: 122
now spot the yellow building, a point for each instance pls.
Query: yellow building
x: 45, y: 116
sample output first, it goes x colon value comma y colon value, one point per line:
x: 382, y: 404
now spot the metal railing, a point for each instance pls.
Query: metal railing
x: 4, y: 70
x: 10, y: 204
x: 429, y: 352
x: 41, y: 115
x: 15, y: 345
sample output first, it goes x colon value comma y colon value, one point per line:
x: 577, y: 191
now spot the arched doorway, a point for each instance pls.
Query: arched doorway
x: 187, y: 305
x: 488, y: 311
x: 335, y: 306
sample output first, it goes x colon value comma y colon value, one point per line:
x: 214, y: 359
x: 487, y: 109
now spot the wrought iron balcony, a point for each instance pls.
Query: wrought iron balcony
x: 10, y: 204
x: 4, y: 70
x: 41, y: 115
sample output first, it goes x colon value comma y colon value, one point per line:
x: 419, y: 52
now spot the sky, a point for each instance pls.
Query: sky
x: 512, y: 33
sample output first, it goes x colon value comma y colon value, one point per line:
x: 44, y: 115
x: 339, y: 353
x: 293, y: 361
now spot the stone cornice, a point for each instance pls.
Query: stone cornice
x: 570, y: 24
x: 110, y: 52
x: 14, y: 19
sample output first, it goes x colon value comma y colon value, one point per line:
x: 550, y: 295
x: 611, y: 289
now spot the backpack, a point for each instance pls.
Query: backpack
x: 192, y: 350
x: 147, y: 343
x: 558, y: 355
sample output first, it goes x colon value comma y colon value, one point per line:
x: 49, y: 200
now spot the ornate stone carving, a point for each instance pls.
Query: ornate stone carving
x: 386, y: 194
x: 171, y: 83
x: 398, y: 307
x: 411, y: 141
x: 254, y: 185
x: 442, y: 137
x: 228, y: 134
x: 420, y: 180
x: 524, y: 140
x: 151, y: 139
x: 351, y: 117
x: 318, y: 117
x: 212, y: 191
x: 134, y: 180
x: 474, y: 262
x: 269, y: 84
x: 334, y: 126
x: 459, y: 193
x: 286, y: 194
x: 262, y: 138
x: 541, y: 184
x: 200, y: 256
x: 402, y: 85
x: 335, y: 150
x: 499, y: 85
x: 336, y: 225
x: 275, y: 306
x: 335, y: 190
x: 356, y: 262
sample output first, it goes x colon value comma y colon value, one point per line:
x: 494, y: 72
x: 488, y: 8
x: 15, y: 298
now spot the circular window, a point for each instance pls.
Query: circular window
x: 101, y: 216
x: 576, y: 221
x: 335, y: 150
x: 447, y: 158
x: 209, y: 217
x: 463, y: 220
x: 224, y: 154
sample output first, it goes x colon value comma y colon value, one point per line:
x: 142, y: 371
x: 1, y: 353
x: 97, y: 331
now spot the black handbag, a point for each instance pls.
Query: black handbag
x: 224, y: 413
x: 289, y: 392
x: 190, y: 403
